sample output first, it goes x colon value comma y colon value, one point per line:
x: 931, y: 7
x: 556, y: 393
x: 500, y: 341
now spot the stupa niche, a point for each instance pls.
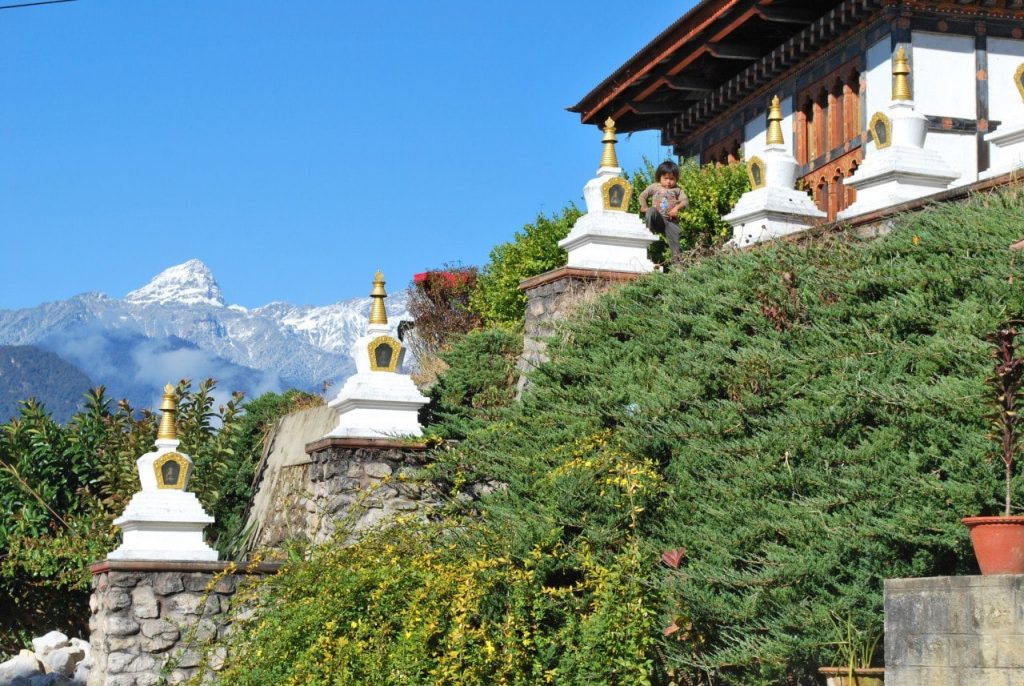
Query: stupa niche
x: 608, y: 236
x: 897, y: 167
x: 773, y: 207
x: 378, y: 401
x: 164, y: 521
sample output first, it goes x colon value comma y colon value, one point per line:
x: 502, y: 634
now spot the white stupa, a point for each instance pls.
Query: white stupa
x: 773, y: 207
x: 1008, y: 139
x: 898, y: 168
x: 378, y: 401
x: 608, y: 237
x: 164, y: 521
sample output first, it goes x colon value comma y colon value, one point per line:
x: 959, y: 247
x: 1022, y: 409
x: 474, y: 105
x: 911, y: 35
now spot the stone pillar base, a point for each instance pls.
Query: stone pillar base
x: 552, y: 296
x: 955, y: 631
x: 151, y: 618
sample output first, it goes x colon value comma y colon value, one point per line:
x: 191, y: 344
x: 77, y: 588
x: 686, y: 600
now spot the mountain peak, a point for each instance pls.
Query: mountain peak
x: 189, y: 283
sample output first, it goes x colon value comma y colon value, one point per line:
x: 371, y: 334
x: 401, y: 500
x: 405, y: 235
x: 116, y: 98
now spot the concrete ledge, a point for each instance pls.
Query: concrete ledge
x: 167, y: 566
x: 375, y: 443
x: 955, y: 631
x: 577, y: 273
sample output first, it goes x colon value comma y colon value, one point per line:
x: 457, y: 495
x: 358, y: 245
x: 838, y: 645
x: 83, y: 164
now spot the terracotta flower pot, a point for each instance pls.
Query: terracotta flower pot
x: 862, y: 676
x: 998, y: 543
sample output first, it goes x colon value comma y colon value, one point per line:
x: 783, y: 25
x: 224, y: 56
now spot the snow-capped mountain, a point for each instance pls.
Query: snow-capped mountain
x: 179, y: 325
x: 191, y: 283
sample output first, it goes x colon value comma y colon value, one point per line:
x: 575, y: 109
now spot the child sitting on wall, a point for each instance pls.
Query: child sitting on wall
x: 668, y: 199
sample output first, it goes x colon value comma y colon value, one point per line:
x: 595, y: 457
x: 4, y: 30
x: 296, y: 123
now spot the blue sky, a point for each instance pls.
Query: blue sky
x: 295, y: 146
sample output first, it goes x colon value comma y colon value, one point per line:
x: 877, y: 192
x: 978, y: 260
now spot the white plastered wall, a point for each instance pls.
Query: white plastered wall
x: 944, y: 81
x: 1005, y: 55
x: 755, y: 131
x: 879, y: 77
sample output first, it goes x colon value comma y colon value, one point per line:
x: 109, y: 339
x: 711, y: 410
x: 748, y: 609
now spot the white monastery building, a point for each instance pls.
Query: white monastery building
x: 880, y: 102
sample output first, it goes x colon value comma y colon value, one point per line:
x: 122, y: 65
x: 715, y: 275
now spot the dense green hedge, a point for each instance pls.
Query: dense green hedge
x: 801, y: 421
x: 479, y: 383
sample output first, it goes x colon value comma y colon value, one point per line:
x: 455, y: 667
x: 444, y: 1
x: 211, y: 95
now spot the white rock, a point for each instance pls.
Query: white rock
x: 63, y: 660
x: 24, y: 664
x: 50, y: 641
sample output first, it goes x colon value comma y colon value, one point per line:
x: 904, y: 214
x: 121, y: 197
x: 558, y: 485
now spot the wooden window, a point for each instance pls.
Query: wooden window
x: 725, y: 151
x: 828, y: 127
x: 828, y: 183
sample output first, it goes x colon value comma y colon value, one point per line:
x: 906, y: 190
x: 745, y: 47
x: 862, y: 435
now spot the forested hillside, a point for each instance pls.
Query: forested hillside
x: 717, y: 467
x: 27, y: 371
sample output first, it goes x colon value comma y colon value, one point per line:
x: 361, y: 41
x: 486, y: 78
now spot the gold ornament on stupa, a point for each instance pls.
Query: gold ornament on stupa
x: 774, y: 136
x: 900, y: 72
x: 378, y: 315
x: 609, y: 158
x: 169, y: 407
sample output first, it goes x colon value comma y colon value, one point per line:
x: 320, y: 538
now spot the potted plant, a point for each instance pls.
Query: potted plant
x: 999, y: 541
x: 856, y: 650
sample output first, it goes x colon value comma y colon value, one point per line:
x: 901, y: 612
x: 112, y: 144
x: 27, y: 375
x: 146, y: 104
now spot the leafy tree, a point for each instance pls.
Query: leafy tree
x: 532, y: 251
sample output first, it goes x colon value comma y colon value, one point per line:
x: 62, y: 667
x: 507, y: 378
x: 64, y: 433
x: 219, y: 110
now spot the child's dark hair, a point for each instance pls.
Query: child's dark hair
x: 666, y: 167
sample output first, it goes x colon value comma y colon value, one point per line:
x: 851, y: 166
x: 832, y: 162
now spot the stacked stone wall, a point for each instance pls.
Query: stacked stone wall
x: 352, y: 484
x: 152, y: 621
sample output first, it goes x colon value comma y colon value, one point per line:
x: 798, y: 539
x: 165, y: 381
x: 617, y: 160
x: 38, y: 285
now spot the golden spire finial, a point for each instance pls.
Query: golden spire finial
x: 775, y: 124
x: 609, y: 159
x: 900, y: 82
x: 378, y: 315
x: 169, y: 407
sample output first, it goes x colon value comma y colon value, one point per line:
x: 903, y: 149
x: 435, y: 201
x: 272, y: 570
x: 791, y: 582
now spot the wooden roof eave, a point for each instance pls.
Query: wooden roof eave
x: 647, y: 58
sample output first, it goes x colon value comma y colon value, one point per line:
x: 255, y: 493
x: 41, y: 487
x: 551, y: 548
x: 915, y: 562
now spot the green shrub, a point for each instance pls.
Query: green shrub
x: 797, y: 423
x: 713, y: 191
x: 480, y: 381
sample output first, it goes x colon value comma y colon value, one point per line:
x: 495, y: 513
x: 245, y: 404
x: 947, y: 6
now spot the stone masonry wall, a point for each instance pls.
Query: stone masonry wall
x: 350, y: 483
x: 955, y: 631
x: 151, y: 621
x: 550, y: 298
